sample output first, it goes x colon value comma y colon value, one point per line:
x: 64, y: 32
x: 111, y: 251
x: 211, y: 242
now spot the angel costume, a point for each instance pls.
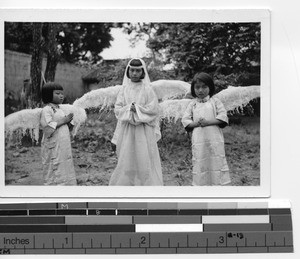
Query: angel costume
x: 209, y: 161
x: 58, y: 168
x: 136, y: 134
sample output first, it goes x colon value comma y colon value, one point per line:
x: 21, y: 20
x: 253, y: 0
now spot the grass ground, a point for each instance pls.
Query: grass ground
x: 94, y: 160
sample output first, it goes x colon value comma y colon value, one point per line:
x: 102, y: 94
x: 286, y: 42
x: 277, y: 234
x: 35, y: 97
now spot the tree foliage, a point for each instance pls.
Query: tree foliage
x: 217, y: 48
x: 74, y: 42
x: 18, y: 36
x: 84, y: 41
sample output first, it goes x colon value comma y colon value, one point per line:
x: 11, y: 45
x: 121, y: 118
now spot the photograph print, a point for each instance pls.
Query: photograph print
x: 135, y: 103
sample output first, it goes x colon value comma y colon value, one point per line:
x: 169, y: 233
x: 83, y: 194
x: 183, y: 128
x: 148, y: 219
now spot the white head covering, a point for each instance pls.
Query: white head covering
x: 145, y: 81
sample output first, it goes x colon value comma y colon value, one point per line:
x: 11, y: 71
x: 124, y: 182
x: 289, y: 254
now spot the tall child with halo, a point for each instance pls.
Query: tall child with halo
x: 205, y: 116
x: 58, y: 167
x: 136, y: 134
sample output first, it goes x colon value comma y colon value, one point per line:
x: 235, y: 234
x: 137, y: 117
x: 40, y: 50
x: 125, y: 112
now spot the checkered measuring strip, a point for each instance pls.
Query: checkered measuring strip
x: 143, y: 227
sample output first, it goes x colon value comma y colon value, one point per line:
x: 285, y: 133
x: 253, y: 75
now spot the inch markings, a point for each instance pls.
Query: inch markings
x: 145, y: 228
x: 212, y: 242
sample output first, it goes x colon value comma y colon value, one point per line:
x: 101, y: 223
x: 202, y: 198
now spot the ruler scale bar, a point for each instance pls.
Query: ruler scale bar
x: 103, y: 211
x: 119, y: 227
x: 149, y: 205
x: 146, y: 240
x: 66, y: 228
x: 236, y: 219
x: 31, y: 220
x: 132, y: 212
x: 145, y: 228
x: 138, y: 212
x: 41, y: 212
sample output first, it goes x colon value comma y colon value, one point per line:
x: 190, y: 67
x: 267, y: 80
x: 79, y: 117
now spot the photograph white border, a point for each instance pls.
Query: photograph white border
x: 150, y: 15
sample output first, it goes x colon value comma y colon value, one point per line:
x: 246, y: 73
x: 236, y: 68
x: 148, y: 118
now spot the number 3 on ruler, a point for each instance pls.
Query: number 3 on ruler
x: 221, y: 239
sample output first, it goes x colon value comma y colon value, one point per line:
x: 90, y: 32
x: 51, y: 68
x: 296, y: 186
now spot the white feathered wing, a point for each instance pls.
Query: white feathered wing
x: 232, y: 98
x: 106, y: 97
x: 165, y: 89
x: 28, y: 120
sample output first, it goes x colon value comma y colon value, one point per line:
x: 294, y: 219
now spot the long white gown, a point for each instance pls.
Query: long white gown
x: 209, y: 160
x: 136, y: 137
x: 56, y: 152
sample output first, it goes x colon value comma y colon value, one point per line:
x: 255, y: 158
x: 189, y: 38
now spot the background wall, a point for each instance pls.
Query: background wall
x: 17, y: 69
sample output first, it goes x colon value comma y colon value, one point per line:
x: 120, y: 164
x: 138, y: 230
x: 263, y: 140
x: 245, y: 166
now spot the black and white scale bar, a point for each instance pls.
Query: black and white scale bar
x: 100, y: 211
x: 145, y: 227
x: 62, y: 228
x: 147, y: 208
x: 65, y: 228
x: 273, y: 222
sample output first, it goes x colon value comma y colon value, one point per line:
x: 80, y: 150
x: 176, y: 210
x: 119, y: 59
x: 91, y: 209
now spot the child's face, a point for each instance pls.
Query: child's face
x: 58, y: 96
x: 201, y: 89
x: 135, y: 74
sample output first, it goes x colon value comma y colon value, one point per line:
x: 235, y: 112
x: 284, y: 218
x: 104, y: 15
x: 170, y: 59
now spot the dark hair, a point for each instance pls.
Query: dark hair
x: 206, y: 79
x: 47, y: 91
x: 135, y: 63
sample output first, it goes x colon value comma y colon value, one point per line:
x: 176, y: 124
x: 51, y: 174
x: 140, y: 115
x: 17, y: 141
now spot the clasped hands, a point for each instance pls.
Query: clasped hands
x: 48, y: 131
x: 68, y: 118
x: 202, y: 122
x: 132, y: 108
x: 65, y: 120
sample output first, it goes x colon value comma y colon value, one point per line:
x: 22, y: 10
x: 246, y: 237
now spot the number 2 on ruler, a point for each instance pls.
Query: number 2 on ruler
x: 143, y: 240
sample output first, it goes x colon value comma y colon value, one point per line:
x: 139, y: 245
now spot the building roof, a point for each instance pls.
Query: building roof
x: 97, y: 75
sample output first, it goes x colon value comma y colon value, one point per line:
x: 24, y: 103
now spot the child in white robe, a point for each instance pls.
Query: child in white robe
x: 205, y: 116
x: 58, y: 167
x: 136, y: 134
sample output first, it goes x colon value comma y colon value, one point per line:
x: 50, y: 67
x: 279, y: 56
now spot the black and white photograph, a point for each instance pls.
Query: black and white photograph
x: 169, y: 106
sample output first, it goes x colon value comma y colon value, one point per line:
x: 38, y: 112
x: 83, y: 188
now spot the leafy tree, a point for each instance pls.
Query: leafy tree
x: 139, y: 31
x: 18, y: 36
x: 74, y: 41
x: 217, y: 48
x: 83, y: 41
